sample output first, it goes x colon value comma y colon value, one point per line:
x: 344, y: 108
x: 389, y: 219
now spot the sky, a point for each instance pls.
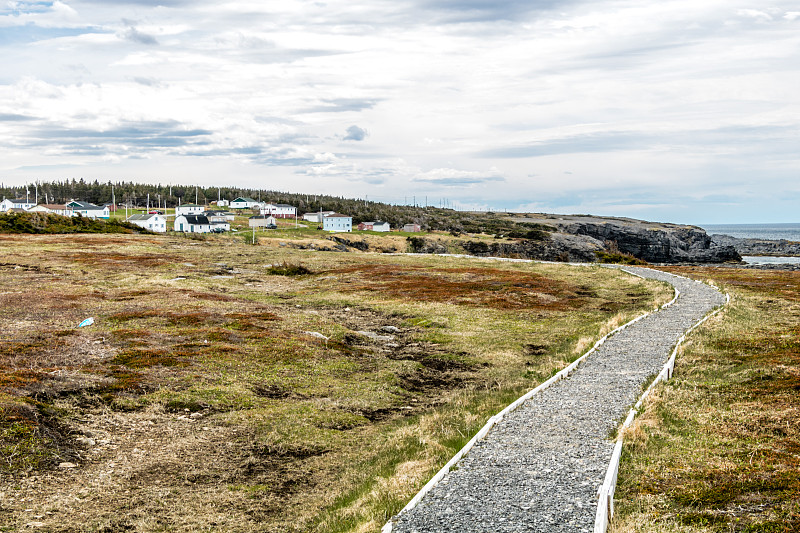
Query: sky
x: 679, y: 111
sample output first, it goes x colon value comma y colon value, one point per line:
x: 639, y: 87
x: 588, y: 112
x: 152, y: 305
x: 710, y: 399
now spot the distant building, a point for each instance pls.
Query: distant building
x: 279, y: 210
x: 316, y: 216
x: 18, y: 203
x: 337, y: 222
x: 412, y: 228
x: 55, y: 209
x: 219, y: 216
x: 192, y: 224
x: 244, y: 203
x: 262, y: 221
x: 374, y: 226
x: 189, y: 209
x: 86, y: 209
x: 153, y: 222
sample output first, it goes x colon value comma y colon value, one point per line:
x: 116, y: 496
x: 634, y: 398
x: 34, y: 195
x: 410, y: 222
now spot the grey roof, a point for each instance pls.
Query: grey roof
x: 240, y: 199
x: 145, y: 216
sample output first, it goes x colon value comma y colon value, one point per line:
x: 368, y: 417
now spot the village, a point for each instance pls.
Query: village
x: 218, y: 217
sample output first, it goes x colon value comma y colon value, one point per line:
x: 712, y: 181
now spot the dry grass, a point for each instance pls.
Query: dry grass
x: 718, y: 448
x: 202, y: 398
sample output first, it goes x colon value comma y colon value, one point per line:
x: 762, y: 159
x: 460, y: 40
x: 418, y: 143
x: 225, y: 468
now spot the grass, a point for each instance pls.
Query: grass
x: 219, y: 396
x: 718, y: 447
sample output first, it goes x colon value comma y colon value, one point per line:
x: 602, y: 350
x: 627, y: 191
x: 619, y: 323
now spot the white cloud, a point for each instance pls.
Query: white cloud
x: 465, y: 102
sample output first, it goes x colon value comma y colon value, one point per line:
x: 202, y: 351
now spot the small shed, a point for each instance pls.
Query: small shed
x: 262, y: 221
x: 374, y: 226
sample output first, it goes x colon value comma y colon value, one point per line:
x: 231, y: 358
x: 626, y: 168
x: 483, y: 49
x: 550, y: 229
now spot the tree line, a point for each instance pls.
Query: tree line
x: 136, y: 195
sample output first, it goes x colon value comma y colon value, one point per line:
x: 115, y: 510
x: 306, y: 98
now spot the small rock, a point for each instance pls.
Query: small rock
x: 390, y: 329
x: 34, y: 524
x: 67, y: 465
x: 315, y: 334
x: 86, y: 441
x: 196, y: 415
x: 375, y: 336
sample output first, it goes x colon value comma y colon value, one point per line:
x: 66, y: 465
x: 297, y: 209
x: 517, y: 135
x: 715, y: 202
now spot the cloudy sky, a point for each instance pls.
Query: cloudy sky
x: 674, y: 110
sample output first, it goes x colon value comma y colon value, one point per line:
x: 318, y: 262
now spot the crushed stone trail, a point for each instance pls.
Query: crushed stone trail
x: 539, y: 469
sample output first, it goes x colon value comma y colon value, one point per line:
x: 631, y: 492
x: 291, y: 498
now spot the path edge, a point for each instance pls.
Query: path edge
x: 563, y: 373
x: 605, y: 498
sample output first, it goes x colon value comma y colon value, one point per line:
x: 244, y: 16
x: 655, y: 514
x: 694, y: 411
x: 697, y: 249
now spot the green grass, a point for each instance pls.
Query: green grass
x: 716, y: 448
x: 201, y: 366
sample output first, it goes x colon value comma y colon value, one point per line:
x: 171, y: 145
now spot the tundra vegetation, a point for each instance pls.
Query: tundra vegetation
x: 717, y: 448
x: 226, y: 387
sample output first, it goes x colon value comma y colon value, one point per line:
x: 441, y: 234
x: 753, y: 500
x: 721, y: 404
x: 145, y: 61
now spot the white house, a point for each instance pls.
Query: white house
x: 18, y: 203
x: 189, y: 209
x: 244, y: 203
x: 374, y: 226
x: 337, y: 222
x: 220, y: 216
x: 316, y: 216
x: 262, y: 221
x: 86, y: 209
x: 156, y: 223
x: 192, y: 224
x: 220, y: 220
x: 412, y: 228
x: 56, y: 209
x: 279, y: 210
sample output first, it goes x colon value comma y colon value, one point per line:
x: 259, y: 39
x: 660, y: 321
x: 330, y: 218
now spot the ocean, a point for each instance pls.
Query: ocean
x: 790, y: 232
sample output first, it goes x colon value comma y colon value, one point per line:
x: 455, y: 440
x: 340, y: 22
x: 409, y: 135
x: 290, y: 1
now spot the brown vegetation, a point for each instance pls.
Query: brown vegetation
x: 211, y: 395
x: 721, y: 446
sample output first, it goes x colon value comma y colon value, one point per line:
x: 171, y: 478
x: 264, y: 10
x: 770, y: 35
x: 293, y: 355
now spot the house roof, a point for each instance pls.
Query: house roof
x: 196, y: 219
x: 249, y: 200
x: 337, y: 215
x: 262, y: 216
x: 143, y: 216
x: 190, y: 205
x: 83, y: 205
x: 54, y: 206
x: 280, y: 205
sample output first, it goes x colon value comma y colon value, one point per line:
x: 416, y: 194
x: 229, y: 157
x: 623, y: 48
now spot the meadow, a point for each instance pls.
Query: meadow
x: 717, y: 448
x: 233, y: 387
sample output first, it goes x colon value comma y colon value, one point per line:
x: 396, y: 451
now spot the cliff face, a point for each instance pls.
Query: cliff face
x: 660, y: 243
x: 572, y: 238
x: 759, y: 246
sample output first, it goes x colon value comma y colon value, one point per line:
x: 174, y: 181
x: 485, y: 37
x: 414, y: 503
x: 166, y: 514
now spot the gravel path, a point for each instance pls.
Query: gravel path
x: 539, y: 469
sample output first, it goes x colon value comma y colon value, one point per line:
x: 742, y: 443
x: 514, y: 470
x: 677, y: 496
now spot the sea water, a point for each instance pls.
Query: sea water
x: 789, y: 232
x: 773, y: 232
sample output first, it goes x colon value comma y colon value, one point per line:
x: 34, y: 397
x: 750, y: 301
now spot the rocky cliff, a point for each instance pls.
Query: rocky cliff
x: 759, y: 246
x: 572, y: 238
